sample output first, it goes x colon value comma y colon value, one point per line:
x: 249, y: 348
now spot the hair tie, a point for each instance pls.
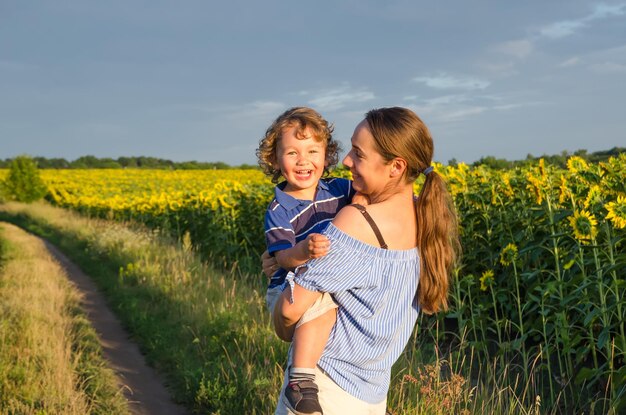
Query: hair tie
x: 427, y: 170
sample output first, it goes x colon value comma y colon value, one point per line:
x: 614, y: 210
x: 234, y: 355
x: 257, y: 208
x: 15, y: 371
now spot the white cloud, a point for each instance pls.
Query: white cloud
x: 462, y: 107
x: 517, y: 48
x: 499, y: 69
x: 512, y: 106
x: 608, y: 67
x: 462, y: 113
x: 264, y: 107
x: 446, y: 108
x: 444, y: 81
x: 251, y: 109
x: 565, y: 28
x: 266, y: 110
x: 561, y: 29
x: 570, y: 62
x: 602, y: 11
x: 336, y: 98
x: 447, y: 100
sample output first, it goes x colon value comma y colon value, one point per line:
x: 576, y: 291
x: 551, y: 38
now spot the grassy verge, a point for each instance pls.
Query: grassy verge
x: 205, y: 331
x: 50, y: 358
x: 209, y: 334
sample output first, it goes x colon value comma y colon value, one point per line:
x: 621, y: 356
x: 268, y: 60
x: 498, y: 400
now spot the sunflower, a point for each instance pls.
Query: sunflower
x: 594, y: 196
x: 564, y: 191
x: 583, y: 224
x: 486, y: 280
x: 617, y: 212
x: 508, y: 254
x: 576, y: 164
x: 535, y: 187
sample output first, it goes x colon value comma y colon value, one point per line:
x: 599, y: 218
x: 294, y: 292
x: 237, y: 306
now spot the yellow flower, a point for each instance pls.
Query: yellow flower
x: 576, y: 164
x: 486, y: 280
x: 536, y: 187
x: 564, y: 191
x: 617, y: 212
x: 594, y: 196
x: 506, y: 180
x: 542, y: 170
x: 508, y: 254
x: 583, y: 224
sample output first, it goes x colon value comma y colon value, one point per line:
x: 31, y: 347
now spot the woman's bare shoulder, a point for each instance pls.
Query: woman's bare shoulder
x: 351, y: 221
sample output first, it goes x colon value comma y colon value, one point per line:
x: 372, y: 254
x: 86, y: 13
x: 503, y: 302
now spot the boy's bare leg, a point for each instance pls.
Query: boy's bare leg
x: 310, y: 339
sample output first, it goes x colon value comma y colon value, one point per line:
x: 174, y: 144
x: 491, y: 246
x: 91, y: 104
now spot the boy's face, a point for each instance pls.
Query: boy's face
x: 301, y: 159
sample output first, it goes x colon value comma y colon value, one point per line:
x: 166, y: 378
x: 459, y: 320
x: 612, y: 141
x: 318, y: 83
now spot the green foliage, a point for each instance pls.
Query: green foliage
x: 135, y: 162
x: 559, y: 160
x: 23, y: 182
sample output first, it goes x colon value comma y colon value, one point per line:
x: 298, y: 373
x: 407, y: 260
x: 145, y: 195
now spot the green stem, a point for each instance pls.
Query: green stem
x: 616, y: 290
x: 590, y: 326
x: 562, y: 321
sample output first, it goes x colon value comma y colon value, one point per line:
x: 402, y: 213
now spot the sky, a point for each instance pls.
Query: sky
x: 202, y: 80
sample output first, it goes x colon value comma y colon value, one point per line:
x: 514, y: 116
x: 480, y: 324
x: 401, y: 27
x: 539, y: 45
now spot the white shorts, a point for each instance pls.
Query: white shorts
x: 333, y: 399
x: 319, y: 307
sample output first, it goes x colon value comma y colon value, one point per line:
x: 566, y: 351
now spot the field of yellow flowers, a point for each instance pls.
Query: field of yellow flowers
x: 540, y: 289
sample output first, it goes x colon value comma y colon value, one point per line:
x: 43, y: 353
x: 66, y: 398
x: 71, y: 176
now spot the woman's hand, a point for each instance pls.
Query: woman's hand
x: 269, y: 264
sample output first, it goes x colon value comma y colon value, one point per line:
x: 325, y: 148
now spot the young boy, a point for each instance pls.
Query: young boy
x: 299, y: 147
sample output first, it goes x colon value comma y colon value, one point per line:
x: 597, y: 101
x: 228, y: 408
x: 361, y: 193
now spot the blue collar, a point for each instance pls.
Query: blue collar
x: 289, y: 202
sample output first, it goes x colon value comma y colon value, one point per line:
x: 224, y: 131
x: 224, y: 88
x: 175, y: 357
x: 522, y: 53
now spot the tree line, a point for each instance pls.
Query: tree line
x: 555, y: 159
x: 142, y: 162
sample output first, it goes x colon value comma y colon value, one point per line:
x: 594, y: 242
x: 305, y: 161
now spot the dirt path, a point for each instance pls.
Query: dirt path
x: 143, y: 387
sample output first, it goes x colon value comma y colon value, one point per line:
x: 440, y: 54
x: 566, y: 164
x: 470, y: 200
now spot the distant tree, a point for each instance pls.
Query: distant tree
x: 127, y: 161
x: 493, y: 162
x: 85, y: 162
x: 246, y: 166
x: 23, y: 182
x: 108, y: 163
x: 53, y: 163
x: 220, y: 165
x: 581, y: 153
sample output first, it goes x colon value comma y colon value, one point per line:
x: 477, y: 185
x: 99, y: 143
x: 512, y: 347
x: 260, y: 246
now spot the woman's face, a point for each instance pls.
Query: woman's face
x: 370, y: 172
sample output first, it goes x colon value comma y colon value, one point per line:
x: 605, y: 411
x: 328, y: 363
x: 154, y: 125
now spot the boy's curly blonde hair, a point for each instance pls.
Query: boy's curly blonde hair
x: 302, y: 117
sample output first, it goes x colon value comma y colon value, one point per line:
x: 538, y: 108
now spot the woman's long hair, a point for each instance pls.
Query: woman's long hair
x: 399, y: 132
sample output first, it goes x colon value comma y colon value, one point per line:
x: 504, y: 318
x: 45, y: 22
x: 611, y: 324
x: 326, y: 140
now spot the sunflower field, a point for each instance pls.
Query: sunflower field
x: 540, y: 289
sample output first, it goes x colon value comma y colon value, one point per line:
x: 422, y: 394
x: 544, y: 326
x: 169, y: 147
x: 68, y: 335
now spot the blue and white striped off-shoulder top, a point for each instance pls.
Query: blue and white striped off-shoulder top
x: 375, y: 290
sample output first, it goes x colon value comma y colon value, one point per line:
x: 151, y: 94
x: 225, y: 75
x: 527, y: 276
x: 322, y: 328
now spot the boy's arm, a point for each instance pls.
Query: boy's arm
x: 315, y: 245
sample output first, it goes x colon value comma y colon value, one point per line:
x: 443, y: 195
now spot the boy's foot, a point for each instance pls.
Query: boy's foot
x: 301, y: 398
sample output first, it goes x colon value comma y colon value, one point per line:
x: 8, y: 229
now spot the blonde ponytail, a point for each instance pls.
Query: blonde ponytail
x: 437, y: 242
x: 399, y: 132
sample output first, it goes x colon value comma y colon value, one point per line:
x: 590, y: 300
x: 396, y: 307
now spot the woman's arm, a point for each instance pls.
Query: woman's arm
x: 286, y: 314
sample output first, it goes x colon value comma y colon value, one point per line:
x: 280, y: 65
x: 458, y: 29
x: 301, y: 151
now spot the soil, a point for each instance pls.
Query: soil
x: 142, y: 386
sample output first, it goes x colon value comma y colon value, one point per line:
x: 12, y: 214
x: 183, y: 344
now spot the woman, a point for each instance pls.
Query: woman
x: 386, y: 262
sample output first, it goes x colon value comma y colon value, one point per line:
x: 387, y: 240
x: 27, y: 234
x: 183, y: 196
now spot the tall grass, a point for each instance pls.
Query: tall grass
x: 209, y: 332
x: 50, y: 359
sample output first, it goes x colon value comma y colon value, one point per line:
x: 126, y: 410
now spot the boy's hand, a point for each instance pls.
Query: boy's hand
x: 360, y: 199
x: 269, y: 264
x: 316, y: 245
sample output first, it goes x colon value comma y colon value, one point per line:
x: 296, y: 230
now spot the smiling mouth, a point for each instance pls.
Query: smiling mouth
x: 304, y: 172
